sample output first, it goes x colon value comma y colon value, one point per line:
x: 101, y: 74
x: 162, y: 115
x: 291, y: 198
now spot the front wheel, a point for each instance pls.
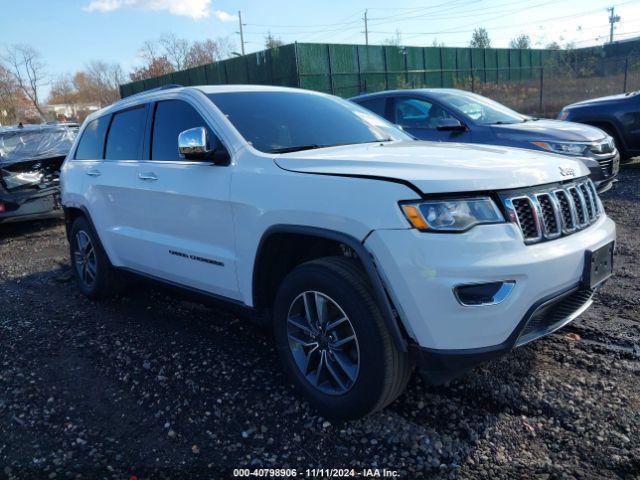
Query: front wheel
x: 332, y: 340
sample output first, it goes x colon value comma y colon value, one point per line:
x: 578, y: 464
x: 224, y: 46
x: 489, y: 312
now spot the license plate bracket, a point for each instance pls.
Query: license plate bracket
x: 598, y: 265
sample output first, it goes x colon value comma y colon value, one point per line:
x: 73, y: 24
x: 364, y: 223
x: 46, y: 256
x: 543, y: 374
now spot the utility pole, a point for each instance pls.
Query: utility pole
x: 366, y: 29
x: 613, y: 19
x: 240, y: 32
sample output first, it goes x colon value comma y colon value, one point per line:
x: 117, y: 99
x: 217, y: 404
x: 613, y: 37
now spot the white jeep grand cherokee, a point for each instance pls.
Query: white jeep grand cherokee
x: 368, y: 252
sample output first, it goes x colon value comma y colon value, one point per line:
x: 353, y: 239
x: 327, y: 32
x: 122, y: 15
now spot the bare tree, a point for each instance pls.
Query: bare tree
x: 175, y: 49
x: 226, y: 46
x: 11, y: 97
x: 394, y: 41
x: 203, y: 52
x: 63, y: 90
x: 104, y: 80
x: 28, y: 70
x: 171, y: 53
x: 156, y: 68
x: 271, y: 41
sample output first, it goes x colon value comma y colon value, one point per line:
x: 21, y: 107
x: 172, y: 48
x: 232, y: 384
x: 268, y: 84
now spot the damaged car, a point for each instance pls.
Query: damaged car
x: 30, y: 161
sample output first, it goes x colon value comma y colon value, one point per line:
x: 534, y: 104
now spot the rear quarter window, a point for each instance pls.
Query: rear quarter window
x: 91, y: 144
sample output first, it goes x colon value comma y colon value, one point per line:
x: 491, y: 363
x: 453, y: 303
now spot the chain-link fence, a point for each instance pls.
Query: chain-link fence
x: 539, y: 91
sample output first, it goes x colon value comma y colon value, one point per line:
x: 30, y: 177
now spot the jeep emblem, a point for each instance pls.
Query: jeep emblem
x: 567, y: 172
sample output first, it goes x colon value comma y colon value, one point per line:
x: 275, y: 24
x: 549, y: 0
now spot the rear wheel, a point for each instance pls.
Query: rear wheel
x: 94, y: 273
x: 332, y: 340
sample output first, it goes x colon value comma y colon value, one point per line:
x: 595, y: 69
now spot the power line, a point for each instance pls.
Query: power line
x: 575, y: 15
x: 348, y: 27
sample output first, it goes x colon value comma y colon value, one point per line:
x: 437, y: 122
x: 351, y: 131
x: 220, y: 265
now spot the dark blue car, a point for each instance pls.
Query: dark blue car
x: 451, y: 115
x: 618, y: 115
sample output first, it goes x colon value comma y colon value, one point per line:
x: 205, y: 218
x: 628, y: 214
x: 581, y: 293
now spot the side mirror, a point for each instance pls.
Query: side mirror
x: 450, y: 125
x: 193, y: 144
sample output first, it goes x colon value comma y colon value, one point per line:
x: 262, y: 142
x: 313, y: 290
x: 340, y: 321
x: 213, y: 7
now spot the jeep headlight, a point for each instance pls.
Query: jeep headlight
x: 564, y: 148
x: 451, y: 215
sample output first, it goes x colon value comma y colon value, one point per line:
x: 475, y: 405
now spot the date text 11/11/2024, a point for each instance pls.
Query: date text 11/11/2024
x: 316, y: 473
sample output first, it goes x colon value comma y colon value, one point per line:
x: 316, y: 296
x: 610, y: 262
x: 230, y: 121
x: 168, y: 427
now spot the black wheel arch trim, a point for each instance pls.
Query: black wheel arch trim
x: 85, y: 212
x: 380, y: 294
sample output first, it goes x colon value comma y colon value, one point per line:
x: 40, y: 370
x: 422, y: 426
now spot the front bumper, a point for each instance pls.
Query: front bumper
x: 421, y: 270
x: 543, y: 318
x: 603, y: 170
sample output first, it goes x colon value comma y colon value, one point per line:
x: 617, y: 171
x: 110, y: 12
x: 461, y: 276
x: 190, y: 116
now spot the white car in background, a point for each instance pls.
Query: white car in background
x: 368, y: 252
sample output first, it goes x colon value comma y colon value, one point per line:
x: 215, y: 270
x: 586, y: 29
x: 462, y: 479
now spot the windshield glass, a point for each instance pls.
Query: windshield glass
x: 481, y: 109
x: 276, y: 122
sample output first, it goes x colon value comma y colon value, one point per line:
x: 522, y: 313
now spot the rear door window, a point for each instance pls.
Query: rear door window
x: 376, y: 105
x: 171, y: 118
x: 91, y: 144
x: 126, y: 134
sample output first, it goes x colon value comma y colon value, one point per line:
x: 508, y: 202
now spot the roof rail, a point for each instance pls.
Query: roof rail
x: 156, y: 89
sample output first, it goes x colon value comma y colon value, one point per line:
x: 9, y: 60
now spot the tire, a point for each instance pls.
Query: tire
x: 342, y: 289
x: 94, y: 274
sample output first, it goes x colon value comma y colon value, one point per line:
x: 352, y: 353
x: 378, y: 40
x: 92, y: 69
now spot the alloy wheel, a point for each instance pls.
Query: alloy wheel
x: 85, y: 259
x: 323, y: 343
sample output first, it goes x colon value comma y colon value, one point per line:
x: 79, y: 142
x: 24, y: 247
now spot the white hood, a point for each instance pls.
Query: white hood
x: 437, y: 167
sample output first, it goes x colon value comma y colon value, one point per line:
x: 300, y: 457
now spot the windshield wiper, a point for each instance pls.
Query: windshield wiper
x: 298, y: 148
x: 380, y: 140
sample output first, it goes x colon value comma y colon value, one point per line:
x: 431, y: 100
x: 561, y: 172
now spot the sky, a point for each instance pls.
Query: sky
x: 71, y: 33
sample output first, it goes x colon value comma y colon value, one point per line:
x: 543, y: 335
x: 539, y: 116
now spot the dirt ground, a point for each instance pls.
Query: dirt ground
x: 154, y: 386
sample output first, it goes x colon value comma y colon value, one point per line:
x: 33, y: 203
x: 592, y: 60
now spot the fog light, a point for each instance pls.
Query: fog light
x: 479, y: 294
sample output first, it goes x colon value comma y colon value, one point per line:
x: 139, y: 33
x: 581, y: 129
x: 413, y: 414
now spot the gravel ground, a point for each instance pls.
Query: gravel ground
x: 153, y: 386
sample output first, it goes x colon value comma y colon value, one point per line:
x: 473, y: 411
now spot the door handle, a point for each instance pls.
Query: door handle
x: 94, y: 172
x: 148, y: 176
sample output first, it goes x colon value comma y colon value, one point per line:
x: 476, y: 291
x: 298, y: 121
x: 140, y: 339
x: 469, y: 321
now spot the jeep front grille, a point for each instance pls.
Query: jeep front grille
x: 546, y: 214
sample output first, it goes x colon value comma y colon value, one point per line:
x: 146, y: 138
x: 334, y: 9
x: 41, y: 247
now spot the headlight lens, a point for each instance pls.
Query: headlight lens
x: 455, y: 215
x: 563, y: 148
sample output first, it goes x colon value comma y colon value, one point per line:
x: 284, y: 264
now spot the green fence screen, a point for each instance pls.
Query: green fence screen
x: 347, y: 70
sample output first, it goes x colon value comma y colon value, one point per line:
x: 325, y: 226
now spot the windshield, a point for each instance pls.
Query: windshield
x: 277, y: 122
x: 481, y: 109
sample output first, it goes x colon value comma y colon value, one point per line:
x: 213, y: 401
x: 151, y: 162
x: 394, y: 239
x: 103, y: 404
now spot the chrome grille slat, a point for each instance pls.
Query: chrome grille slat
x: 548, y: 214
x: 594, y: 195
x: 551, y: 223
x: 591, y: 214
x: 567, y: 210
x: 580, y: 205
x: 527, y: 218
